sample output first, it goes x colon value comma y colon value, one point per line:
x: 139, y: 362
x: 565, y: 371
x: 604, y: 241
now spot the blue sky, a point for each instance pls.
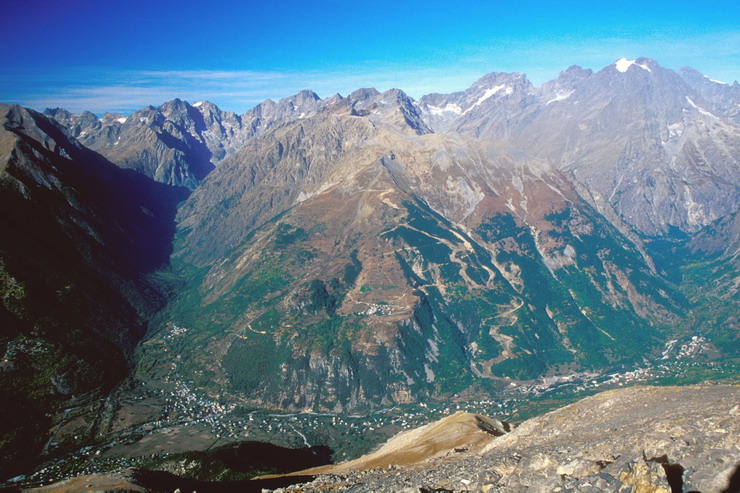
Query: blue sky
x: 111, y: 55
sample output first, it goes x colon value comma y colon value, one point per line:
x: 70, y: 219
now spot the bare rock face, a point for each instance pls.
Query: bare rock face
x: 642, y: 439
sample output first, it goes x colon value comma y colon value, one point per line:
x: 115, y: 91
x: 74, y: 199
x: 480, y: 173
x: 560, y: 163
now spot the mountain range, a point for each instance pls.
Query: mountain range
x: 370, y: 250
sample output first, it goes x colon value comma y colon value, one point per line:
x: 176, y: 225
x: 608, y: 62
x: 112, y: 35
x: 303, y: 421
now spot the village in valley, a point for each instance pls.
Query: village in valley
x: 147, y: 423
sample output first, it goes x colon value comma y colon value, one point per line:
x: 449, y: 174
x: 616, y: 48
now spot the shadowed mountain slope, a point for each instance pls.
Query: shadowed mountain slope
x: 81, y: 240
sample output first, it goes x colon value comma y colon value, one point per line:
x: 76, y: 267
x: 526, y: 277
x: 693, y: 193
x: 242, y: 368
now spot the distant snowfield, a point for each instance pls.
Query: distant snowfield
x: 716, y: 81
x: 700, y: 109
x: 561, y: 96
x: 490, y: 92
x: 448, y: 108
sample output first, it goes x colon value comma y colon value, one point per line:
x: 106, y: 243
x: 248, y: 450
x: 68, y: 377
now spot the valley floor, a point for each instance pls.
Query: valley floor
x: 640, y: 439
x: 146, y: 425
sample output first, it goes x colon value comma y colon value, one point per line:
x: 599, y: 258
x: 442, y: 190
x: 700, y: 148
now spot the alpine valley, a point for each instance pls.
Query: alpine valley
x: 331, y: 271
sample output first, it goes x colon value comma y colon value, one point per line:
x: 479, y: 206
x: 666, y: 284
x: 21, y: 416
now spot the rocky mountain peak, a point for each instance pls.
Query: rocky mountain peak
x: 211, y: 111
x: 149, y: 116
x: 646, y: 109
x: 564, y: 86
x: 363, y: 94
x: 389, y: 97
x: 696, y: 79
x: 174, y: 107
x: 494, y: 87
x: 109, y: 119
x: 393, y: 107
x: 494, y: 79
x: 49, y: 133
x: 573, y: 74
x: 648, y: 62
x: 75, y: 124
x: 576, y: 69
x: 182, y: 114
x: 624, y: 65
x: 58, y: 113
x: 334, y: 98
x: 304, y: 97
x: 299, y: 105
x: 481, y: 109
x: 303, y: 103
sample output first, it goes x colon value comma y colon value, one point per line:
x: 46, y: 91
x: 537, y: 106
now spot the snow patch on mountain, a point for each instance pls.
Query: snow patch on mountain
x: 490, y: 92
x: 700, y: 109
x: 716, y: 81
x: 623, y: 65
x: 447, y: 108
x: 560, y: 96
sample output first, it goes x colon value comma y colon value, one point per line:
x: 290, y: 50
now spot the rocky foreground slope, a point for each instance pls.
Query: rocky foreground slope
x: 641, y: 439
